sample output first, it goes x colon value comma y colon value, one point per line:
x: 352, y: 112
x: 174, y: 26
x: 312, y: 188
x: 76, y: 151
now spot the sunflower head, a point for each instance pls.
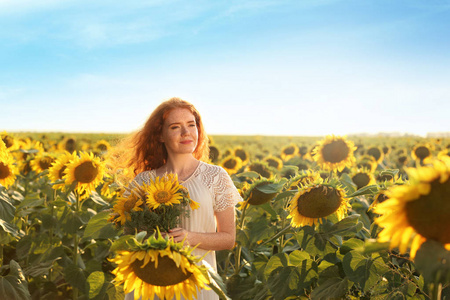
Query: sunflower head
x: 8, y: 170
x: 159, y: 267
x: 164, y: 190
x: 417, y: 211
x: 377, y: 153
x: 260, y: 167
x: 304, y: 178
x: 362, y: 178
x: 367, y: 162
x: 242, y: 154
x: 56, y: 171
x: 314, y: 202
x: 231, y: 164
x: 334, y: 153
x: 289, y: 151
x: 102, y: 146
x: 262, y: 191
x: 42, y: 162
x: 214, y: 153
x: 273, y: 162
x: 124, y: 206
x: 68, y: 144
x: 9, y: 141
x: 86, y: 170
x: 422, y: 152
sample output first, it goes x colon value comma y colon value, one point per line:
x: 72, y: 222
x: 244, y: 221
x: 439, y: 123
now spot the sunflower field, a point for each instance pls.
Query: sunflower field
x: 321, y: 218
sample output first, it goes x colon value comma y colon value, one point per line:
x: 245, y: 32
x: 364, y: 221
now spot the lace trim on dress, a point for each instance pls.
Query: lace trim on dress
x: 220, y: 185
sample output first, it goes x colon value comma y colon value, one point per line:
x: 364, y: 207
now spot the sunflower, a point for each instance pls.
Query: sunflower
x: 163, y: 190
x: 273, y: 162
x: 367, y: 162
x: 376, y: 153
x: 123, y: 207
x: 334, y: 153
x: 242, y: 154
x: 68, y: 144
x: 386, y: 150
x: 27, y: 147
x: 260, y: 167
x: 56, y: 171
x: 231, y: 164
x: 8, y: 170
x: 261, y: 191
x: 362, y: 178
x: 214, y: 153
x: 102, y: 146
x: 303, y: 179
x: 419, y: 211
x: 10, y: 142
x: 86, y: 170
x: 314, y: 202
x: 160, y: 267
x: 289, y: 151
x: 422, y: 152
x: 42, y: 162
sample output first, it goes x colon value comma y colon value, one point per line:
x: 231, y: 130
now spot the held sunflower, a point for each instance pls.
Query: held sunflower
x: 162, y: 268
x: 124, y: 206
x: 86, y: 170
x: 164, y: 191
x: 334, y: 153
x: 314, y: 202
x: 419, y: 211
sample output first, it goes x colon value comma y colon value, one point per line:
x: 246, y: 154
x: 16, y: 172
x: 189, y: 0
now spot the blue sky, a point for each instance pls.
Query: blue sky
x: 311, y: 67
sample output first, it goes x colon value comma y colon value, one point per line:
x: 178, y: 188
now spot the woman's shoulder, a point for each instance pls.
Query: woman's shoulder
x: 210, y: 168
x: 144, y: 176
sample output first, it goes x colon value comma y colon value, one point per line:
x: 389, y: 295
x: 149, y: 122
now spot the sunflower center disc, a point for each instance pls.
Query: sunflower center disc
x: 166, y: 274
x: 230, y: 164
x: 8, y: 141
x: 70, y: 145
x: 319, y: 202
x: 361, y: 179
x: 335, y: 151
x: 86, y: 172
x: 4, y: 171
x: 289, y: 150
x: 375, y: 153
x: 241, y: 154
x: 422, y: 152
x: 102, y: 147
x: 430, y: 214
x: 162, y: 196
x: 45, y: 163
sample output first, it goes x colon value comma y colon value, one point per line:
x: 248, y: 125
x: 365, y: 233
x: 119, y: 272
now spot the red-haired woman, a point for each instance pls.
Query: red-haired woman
x: 173, y: 140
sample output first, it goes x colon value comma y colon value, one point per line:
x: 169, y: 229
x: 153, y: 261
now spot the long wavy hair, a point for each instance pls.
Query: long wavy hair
x: 143, y: 150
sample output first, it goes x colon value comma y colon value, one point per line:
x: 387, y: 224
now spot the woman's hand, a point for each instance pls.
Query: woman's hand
x: 180, y: 234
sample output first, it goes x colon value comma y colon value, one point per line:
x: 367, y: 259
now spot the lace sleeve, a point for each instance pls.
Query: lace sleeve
x: 224, y: 192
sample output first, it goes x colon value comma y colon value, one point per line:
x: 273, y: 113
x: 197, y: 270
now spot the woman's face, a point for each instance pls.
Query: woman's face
x: 179, y: 132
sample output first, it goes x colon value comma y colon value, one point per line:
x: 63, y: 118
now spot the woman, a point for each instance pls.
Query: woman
x: 173, y: 140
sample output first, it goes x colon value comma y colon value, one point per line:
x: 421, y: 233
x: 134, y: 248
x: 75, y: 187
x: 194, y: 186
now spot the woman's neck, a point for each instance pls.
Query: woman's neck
x: 183, y: 166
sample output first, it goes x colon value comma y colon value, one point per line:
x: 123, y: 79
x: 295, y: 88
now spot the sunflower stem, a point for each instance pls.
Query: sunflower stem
x: 75, y: 244
x: 237, y: 256
x: 436, y: 290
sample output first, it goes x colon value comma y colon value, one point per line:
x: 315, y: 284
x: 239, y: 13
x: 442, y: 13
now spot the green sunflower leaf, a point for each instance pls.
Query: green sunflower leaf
x: 14, y: 286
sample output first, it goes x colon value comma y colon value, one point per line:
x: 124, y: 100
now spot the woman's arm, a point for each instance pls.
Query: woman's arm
x: 223, y: 239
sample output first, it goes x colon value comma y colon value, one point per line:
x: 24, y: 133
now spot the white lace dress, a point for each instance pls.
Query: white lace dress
x: 213, y: 189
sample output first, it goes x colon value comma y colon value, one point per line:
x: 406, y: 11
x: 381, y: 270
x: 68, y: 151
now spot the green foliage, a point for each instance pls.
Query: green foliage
x: 55, y: 245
